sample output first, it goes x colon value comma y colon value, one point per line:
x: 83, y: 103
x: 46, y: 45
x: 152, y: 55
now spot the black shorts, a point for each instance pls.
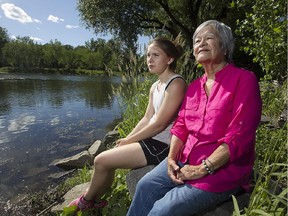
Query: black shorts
x: 154, y: 150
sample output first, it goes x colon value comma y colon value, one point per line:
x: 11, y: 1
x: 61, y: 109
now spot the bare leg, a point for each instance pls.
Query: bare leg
x: 125, y: 157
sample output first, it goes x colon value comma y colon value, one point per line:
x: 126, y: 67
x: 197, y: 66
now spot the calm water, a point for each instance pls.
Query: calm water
x: 43, y: 118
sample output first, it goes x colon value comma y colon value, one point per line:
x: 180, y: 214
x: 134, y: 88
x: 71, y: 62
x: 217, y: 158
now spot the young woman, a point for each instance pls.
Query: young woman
x: 148, y: 143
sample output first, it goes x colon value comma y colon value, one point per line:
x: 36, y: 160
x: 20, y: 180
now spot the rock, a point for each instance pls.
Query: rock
x: 264, y: 120
x: 96, y: 148
x: 87, y: 157
x: 225, y: 209
x: 60, y: 175
x: 81, y: 159
x: 78, y: 148
x: 110, y: 138
x: 76, y: 161
x: 283, y: 118
x: 70, y: 196
x: 134, y: 176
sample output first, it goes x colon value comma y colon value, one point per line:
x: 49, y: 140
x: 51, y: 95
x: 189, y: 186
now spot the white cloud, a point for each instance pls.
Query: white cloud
x: 16, y: 13
x: 37, y: 21
x: 54, y: 19
x: 13, y: 37
x: 36, y: 39
x: 70, y: 26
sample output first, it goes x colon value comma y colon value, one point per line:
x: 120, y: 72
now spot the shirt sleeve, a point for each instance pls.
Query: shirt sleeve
x: 179, y: 128
x: 246, y: 115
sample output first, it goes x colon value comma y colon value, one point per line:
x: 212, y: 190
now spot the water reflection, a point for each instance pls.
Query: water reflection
x: 43, y: 118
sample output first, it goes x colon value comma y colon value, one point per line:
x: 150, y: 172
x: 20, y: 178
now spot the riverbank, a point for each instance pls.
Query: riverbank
x: 47, y: 117
x: 40, y: 203
x: 271, y: 159
x: 62, y: 71
x: 55, y: 198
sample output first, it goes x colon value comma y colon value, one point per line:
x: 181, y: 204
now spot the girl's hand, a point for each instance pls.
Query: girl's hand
x: 121, y: 142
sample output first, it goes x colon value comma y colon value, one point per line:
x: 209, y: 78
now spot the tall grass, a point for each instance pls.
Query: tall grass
x: 269, y: 196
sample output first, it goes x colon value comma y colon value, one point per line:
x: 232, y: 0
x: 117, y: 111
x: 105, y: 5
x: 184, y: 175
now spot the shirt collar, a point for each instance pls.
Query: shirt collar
x: 218, y: 75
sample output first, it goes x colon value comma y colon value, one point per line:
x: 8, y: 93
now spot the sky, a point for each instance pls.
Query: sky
x: 46, y: 20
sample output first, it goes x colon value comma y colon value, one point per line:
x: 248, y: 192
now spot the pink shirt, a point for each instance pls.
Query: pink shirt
x: 229, y: 115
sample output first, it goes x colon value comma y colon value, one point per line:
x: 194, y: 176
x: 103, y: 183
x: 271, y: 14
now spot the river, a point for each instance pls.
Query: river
x: 48, y: 117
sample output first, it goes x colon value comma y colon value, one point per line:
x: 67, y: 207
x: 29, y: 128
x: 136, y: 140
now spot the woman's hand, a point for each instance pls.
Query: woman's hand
x: 190, y: 172
x: 173, y: 170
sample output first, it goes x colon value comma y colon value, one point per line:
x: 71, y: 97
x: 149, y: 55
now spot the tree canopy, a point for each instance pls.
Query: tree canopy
x: 130, y: 18
x: 258, y: 25
x: 264, y: 35
x: 24, y: 54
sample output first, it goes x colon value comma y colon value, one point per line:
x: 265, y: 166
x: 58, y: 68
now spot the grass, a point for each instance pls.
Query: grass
x: 269, y: 196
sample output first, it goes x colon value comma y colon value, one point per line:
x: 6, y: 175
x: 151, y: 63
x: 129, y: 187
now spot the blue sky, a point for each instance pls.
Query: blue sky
x: 45, y: 20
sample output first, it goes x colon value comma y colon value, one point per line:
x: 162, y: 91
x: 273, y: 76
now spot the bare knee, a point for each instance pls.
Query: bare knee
x: 101, y: 162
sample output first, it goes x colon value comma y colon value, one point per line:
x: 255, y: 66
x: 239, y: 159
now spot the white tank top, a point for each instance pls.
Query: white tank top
x: 158, y: 97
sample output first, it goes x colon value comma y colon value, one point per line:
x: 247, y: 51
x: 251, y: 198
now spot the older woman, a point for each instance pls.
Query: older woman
x: 212, y: 148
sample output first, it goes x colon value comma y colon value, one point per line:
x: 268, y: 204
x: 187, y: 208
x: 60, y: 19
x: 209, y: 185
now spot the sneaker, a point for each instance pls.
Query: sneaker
x: 101, y: 204
x: 83, y: 204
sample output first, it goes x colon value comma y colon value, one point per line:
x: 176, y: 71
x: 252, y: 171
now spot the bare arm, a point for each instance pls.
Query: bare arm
x: 169, y: 109
x: 173, y: 168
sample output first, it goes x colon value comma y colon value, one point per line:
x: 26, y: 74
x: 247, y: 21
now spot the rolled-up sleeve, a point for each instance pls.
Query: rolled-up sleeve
x: 246, y: 114
x: 179, y: 128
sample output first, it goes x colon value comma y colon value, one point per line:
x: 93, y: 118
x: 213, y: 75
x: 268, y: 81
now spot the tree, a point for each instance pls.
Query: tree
x: 53, y: 53
x: 130, y: 18
x: 3, y: 40
x: 18, y: 52
x: 264, y: 35
x: 126, y: 19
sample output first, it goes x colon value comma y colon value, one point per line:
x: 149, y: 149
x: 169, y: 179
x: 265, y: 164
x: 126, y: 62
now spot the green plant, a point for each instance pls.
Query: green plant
x: 270, y: 174
x: 119, y: 197
x: 272, y: 171
x: 81, y: 176
x: 134, y: 105
x: 274, y: 98
x: 269, y: 196
x: 264, y: 35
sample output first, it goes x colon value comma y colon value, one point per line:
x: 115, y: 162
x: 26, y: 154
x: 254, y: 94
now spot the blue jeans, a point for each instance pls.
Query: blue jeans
x: 157, y: 195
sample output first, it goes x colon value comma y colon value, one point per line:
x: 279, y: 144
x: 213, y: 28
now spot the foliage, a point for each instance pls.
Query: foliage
x: 81, y: 176
x: 274, y: 98
x: 119, y: 197
x: 269, y: 196
x: 3, y: 40
x: 271, y: 150
x: 261, y: 34
x: 271, y: 161
x: 134, y: 106
x: 23, y: 54
x: 129, y: 18
x: 264, y: 34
